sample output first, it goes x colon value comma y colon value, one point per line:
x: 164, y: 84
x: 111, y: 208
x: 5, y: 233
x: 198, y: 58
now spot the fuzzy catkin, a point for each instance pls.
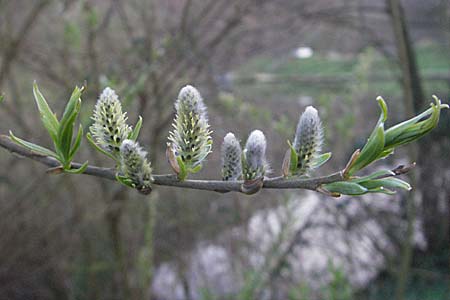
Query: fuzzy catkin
x: 191, y: 137
x: 134, y: 164
x: 308, y: 139
x: 254, y: 164
x: 231, y: 158
x: 109, y: 128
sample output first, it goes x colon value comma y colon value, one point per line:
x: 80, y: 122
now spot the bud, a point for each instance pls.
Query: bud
x: 191, y: 137
x: 134, y: 165
x: 231, y: 158
x: 254, y: 162
x: 109, y: 128
x: 308, y: 140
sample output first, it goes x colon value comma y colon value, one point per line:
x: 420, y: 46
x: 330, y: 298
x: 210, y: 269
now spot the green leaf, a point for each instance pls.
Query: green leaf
x: 79, y: 170
x: 47, y: 116
x: 371, y: 151
x: 2, y: 97
x: 374, y: 175
x: 294, y: 159
x: 183, y: 173
x: 414, y: 128
x: 375, y: 144
x: 33, y: 147
x: 384, y: 109
x: 320, y: 160
x: 382, y: 190
x: 65, y: 130
x: 392, y: 182
x: 137, y: 128
x: 98, y: 148
x: 195, y: 169
x: 77, y: 142
x: 73, y: 105
x: 345, y: 188
x: 125, y: 180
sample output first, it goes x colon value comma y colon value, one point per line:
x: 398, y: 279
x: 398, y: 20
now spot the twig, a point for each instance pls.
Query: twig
x: 172, y: 180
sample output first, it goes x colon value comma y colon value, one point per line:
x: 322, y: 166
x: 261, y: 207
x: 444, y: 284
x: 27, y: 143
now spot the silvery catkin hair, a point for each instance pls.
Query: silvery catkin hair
x: 231, y: 158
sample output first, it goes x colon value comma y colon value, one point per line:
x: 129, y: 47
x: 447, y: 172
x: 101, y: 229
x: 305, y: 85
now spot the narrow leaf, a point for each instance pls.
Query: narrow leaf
x: 195, y: 169
x: 124, y: 180
x: 382, y: 190
x: 47, y: 116
x: 79, y: 170
x: 371, y: 150
x: 294, y: 159
x: 65, y: 133
x: 375, y: 175
x: 72, y: 105
x: 320, y: 160
x: 33, y: 147
x: 137, y: 128
x: 98, y: 148
x: 416, y: 127
x: 183, y: 173
x: 393, y: 183
x: 345, y: 188
x: 77, y: 142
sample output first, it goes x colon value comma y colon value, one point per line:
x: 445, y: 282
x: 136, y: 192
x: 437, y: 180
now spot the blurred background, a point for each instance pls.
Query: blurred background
x: 258, y: 64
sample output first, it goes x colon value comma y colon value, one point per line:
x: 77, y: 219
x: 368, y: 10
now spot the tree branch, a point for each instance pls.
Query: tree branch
x: 172, y: 180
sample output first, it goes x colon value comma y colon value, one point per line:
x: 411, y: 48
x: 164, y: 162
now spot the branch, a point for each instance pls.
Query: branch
x: 172, y: 180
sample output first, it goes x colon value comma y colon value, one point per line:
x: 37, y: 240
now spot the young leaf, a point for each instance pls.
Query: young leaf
x: 375, y: 175
x: 47, y: 116
x: 79, y: 170
x: 320, y: 160
x: 183, y: 172
x: 294, y: 159
x: 96, y: 147
x: 65, y: 130
x: 371, y: 150
x: 415, y: 127
x: 2, y: 97
x: 33, y: 147
x: 137, y: 128
x: 124, y: 180
x: 77, y: 142
x: 393, y: 183
x: 195, y: 169
x: 382, y: 190
x: 345, y: 188
x: 375, y: 144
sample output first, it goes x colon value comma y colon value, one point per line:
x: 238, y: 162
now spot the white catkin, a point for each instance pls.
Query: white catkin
x: 191, y: 137
x: 109, y: 128
x: 308, y: 138
x: 255, y: 164
x: 134, y: 164
x: 231, y: 158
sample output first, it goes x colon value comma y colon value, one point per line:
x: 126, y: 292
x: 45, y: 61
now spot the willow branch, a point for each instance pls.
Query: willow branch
x: 172, y: 180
